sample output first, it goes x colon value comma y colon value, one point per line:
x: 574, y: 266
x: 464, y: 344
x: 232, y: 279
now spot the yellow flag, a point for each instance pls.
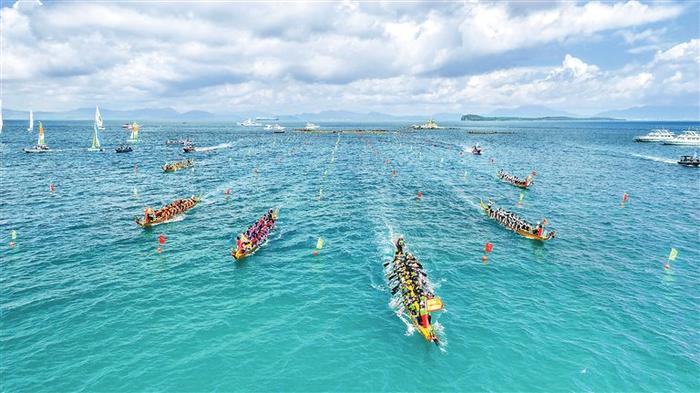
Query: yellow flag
x: 672, y: 256
x: 13, y: 234
x: 319, y: 243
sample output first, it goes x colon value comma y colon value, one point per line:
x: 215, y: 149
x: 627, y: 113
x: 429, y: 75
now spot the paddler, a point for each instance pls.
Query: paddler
x: 399, y: 245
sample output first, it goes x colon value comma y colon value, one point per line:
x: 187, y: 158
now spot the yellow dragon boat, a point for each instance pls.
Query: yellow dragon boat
x: 415, y: 294
x: 176, y: 166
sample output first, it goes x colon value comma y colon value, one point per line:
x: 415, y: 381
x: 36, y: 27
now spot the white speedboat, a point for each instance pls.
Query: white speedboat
x: 276, y: 128
x: 310, y: 127
x: 688, y: 138
x: 429, y: 125
x: 656, y: 135
x: 249, y: 123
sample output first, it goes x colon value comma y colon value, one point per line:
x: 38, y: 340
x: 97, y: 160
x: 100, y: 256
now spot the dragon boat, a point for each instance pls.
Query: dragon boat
x: 166, y: 213
x: 413, y: 290
x: 250, y: 246
x: 534, y: 232
x: 176, y: 166
x: 510, y: 179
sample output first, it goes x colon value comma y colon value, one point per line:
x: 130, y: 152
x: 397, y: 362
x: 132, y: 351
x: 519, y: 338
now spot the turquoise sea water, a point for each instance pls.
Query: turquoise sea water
x: 87, y: 304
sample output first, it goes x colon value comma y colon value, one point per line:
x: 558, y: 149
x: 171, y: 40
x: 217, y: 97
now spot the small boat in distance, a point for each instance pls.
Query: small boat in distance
x: 41, y: 146
x: 690, y: 161
x: 176, y: 166
x: 264, y: 118
x: 687, y: 138
x: 276, y: 128
x: 188, y: 148
x: 310, y: 127
x: 95, y: 140
x: 476, y: 150
x: 656, y: 135
x: 98, y: 119
x: 186, y: 141
x: 429, y: 125
x: 123, y: 149
x: 249, y: 123
x: 31, y: 121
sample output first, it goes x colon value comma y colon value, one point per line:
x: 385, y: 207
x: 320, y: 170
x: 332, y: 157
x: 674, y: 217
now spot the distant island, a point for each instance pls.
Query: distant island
x: 472, y: 117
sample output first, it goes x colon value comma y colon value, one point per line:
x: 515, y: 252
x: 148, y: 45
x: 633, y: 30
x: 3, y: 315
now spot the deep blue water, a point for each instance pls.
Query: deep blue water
x: 87, y: 304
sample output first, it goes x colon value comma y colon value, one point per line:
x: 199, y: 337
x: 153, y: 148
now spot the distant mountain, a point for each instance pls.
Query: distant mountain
x: 530, y: 111
x: 169, y: 114
x: 472, y: 117
x: 109, y: 114
x: 649, y: 112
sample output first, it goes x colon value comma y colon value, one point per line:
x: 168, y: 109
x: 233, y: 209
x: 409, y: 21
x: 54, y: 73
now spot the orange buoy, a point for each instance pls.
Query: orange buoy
x: 484, y: 259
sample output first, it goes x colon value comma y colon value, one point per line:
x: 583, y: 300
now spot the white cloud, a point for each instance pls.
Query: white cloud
x: 313, y: 56
x: 686, y: 51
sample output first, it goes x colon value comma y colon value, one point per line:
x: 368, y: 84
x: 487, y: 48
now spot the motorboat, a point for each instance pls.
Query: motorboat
x: 123, y: 149
x: 310, y: 127
x: 656, y: 135
x: 690, y: 161
x: 276, y: 128
x: 249, y: 123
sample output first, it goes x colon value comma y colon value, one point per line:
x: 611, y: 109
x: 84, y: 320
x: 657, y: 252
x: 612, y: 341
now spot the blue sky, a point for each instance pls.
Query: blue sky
x: 399, y: 58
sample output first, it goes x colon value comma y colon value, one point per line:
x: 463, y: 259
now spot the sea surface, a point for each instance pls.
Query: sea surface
x: 88, y: 304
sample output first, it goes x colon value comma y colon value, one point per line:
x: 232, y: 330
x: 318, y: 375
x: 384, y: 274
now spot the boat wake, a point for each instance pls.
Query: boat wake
x: 657, y: 159
x: 217, y: 147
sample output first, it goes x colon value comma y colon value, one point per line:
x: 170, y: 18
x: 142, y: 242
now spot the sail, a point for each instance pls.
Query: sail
x: 31, y: 121
x: 135, y: 132
x: 98, y: 118
x: 41, y: 135
x: 95, y: 139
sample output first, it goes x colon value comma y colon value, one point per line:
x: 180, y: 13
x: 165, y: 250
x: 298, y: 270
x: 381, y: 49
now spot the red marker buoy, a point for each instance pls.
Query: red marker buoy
x: 419, y: 195
x: 488, y: 247
x: 315, y: 253
x: 161, y: 239
x: 51, y: 187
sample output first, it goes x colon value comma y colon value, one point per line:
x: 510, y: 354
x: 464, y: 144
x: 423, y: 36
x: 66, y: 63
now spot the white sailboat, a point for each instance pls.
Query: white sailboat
x: 98, y: 119
x: 31, y: 121
x: 95, y: 140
